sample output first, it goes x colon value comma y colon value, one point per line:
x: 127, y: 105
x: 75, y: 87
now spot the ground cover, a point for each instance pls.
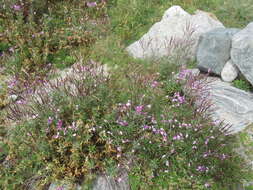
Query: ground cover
x: 138, y: 112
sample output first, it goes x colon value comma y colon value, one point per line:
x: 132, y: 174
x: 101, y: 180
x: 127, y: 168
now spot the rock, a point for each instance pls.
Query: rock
x: 214, y: 49
x: 231, y: 105
x: 242, y: 51
x: 102, y: 182
x: 229, y: 72
x: 64, y: 186
x: 178, y: 31
x: 108, y: 183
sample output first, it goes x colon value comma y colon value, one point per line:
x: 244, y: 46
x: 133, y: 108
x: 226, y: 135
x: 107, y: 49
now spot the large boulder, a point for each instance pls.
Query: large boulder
x: 229, y: 72
x: 231, y: 105
x: 242, y: 51
x: 177, y: 31
x: 214, y: 49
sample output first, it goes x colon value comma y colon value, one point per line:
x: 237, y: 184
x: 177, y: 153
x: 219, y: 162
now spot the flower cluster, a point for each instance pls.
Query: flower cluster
x: 178, y: 99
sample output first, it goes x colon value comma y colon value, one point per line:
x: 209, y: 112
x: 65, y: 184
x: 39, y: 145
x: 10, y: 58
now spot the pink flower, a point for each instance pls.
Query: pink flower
x: 16, y: 7
x: 92, y: 4
x: 138, y: 109
x: 207, y: 185
x: 59, y: 124
x: 154, y: 84
x: 60, y: 188
x: 123, y: 123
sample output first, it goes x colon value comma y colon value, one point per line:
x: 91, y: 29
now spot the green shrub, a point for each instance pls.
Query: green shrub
x: 85, y: 124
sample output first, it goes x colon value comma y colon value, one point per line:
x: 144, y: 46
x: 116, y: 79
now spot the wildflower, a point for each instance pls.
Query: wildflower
x: 128, y: 104
x: 177, y: 137
x: 202, y: 169
x: 223, y: 157
x: 194, y: 147
x: 60, y: 188
x: 16, y: 7
x: 11, y: 49
x: 35, y: 116
x: 138, y: 109
x: 154, y: 84
x: 56, y: 136
x: 119, y: 179
x: 47, y: 130
x: 59, y: 124
x: 207, y: 185
x: 92, y: 4
x: 28, y: 134
x: 49, y: 121
x: 146, y: 127
x: 123, y: 123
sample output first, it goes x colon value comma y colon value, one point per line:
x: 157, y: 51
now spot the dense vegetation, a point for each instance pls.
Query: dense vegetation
x: 135, y: 115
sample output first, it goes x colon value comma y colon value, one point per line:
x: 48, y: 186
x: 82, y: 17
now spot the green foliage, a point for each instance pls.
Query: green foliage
x: 90, y: 123
x: 46, y: 33
x: 87, y: 126
x: 242, y: 84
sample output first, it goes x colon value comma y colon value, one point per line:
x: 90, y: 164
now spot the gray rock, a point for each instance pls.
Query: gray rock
x: 64, y: 186
x: 229, y: 72
x: 242, y: 51
x: 102, y: 182
x: 176, y: 34
x: 214, y: 49
x: 231, y: 105
x: 109, y: 183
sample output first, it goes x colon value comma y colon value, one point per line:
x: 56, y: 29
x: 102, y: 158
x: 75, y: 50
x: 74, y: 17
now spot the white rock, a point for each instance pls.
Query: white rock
x: 229, y: 72
x: 177, y: 31
x: 175, y: 11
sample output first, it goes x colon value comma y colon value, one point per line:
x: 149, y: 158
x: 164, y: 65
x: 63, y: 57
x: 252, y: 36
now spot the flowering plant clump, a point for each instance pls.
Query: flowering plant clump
x: 80, y: 125
x: 35, y: 34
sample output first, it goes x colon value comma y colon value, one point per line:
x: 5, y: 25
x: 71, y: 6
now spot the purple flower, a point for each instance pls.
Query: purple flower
x: 202, y: 169
x: 177, y: 137
x: 16, y: 7
x: 223, y: 157
x: 59, y: 124
x: 92, y: 4
x: 138, y: 109
x: 154, y: 84
x: 146, y: 127
x: 122, y: 123
x: 49, y: 121
x: 207, y: 185
x: 11, y: 49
